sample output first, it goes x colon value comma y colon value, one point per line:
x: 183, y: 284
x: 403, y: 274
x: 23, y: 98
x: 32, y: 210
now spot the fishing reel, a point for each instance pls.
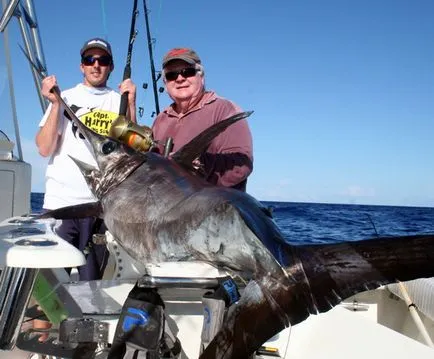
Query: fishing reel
x: 134, y: 135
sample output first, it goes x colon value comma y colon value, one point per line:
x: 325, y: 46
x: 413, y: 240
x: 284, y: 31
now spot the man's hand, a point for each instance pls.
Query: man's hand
x: 197, y: 165
x: 47, y: 85
x: 44, y: 325
x: 128, y: 86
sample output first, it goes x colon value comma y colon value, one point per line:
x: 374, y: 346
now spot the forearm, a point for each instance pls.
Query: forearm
x: 230, y: 157
x: 237, y: 174
x: 227, y: 169
x: 47, y: 136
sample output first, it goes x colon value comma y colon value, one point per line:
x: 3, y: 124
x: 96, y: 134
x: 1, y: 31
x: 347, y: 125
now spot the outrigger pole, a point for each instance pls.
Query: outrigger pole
x: 127, y: 69
x: 151, y: 60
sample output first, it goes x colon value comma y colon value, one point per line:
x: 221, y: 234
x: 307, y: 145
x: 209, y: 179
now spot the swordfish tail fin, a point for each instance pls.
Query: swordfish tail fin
x: 319, y: 278
x: 337, y: 271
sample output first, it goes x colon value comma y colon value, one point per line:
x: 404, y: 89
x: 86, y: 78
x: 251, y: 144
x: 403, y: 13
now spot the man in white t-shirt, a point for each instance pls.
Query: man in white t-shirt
x: 97, y: 106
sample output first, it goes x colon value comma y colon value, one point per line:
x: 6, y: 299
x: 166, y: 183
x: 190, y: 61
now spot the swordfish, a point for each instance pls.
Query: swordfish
x: 161, y: 209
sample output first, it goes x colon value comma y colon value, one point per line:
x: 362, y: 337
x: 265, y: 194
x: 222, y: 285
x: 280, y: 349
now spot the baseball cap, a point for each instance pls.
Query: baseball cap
x: 96, y: 43
x: 181, y: 53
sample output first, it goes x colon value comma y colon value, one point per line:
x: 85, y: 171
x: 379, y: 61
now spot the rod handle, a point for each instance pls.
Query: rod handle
x: 124, y: 97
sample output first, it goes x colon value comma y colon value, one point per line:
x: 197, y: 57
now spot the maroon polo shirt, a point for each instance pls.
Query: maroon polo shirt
x: 229, y: 159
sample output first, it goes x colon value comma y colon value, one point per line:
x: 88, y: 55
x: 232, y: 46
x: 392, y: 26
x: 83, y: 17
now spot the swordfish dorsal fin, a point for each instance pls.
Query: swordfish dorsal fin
x: 91, y: 209
x: 190, y: 151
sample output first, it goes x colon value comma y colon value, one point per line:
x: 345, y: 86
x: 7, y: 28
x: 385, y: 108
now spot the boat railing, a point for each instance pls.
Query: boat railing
x: 16, y: 285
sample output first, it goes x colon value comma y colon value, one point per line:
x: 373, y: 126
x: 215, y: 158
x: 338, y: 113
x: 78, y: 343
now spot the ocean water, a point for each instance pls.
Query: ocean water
x: 319, y: 223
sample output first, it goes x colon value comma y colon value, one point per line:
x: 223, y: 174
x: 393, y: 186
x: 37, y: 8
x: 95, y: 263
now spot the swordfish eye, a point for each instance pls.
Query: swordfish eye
x: 108, y: 147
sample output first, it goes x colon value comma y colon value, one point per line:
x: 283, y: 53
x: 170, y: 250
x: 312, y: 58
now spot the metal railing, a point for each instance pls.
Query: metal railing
x: 16, y: 285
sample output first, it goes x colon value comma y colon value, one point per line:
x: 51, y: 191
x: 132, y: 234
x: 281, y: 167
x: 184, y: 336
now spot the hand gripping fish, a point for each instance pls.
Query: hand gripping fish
x: 159, y: 209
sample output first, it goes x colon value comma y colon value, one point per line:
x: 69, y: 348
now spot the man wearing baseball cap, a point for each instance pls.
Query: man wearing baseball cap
x: 229, y: 159
x: 96, y: 105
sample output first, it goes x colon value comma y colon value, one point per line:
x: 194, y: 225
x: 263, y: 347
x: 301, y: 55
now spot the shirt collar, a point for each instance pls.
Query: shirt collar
x: 207, y: 98
x: 95, y: 90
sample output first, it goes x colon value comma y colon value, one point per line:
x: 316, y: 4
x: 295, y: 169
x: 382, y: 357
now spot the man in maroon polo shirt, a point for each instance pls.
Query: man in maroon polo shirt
x: 229, y: 159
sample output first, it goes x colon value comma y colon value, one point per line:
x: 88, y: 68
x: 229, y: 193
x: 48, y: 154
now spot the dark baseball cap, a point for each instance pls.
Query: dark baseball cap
x: 181, y: 53
x: 96, y: 43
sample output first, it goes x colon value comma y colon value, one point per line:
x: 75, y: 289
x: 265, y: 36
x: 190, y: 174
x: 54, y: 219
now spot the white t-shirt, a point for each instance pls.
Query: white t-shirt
x: 97, y: 108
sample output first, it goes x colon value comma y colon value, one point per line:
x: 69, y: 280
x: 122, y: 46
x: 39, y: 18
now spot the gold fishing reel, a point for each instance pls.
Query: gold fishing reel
x: 132, y: 134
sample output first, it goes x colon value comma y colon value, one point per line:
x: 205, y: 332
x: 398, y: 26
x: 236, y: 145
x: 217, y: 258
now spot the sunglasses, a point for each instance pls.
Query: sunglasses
x: 187, y: 72
x: 102, y: 60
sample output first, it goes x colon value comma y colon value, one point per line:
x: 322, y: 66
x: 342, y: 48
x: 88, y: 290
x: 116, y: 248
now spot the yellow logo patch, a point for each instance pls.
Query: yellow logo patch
x: 99, y: 121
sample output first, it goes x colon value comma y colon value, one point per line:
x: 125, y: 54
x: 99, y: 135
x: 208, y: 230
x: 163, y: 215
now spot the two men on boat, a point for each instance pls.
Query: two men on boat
x: 228, y: 161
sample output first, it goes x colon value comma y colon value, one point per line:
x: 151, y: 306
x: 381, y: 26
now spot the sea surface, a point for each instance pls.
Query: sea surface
x: 319, y: 223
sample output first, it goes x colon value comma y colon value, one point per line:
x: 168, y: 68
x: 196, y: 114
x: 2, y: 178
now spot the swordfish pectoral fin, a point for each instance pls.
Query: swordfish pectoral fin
x: 190, y: 151
x: 92, y: 209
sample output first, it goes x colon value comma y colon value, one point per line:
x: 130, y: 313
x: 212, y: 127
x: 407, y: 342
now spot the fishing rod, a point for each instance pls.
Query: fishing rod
x: 136, y: 136
x: 168, y: 145
x: 151, y: 59
x: 127, y: 69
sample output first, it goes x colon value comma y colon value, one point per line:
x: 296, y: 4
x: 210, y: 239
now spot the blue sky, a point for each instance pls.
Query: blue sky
x: 342, y: 90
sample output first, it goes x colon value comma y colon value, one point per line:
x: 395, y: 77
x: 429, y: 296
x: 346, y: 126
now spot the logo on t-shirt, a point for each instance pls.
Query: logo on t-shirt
x: 97, y: 120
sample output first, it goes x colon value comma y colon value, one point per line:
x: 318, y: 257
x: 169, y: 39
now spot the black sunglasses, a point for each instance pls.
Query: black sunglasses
x: 102, y: 60
x: 187, y: 72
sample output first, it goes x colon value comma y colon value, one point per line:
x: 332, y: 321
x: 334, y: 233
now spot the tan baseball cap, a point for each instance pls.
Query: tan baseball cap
x: 181, y: 53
